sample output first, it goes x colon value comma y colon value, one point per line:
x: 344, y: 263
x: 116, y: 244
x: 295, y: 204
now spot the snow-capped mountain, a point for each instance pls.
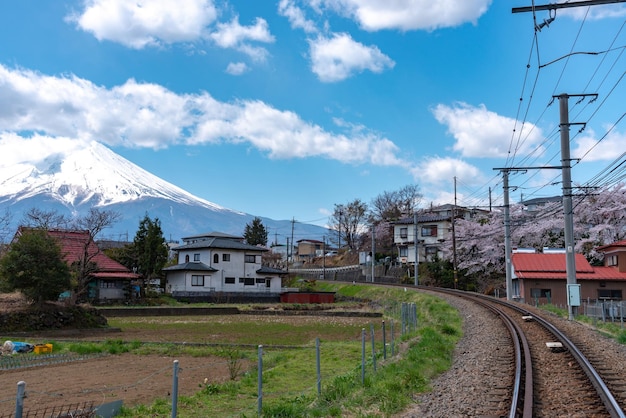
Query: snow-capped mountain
x: 95, y: 176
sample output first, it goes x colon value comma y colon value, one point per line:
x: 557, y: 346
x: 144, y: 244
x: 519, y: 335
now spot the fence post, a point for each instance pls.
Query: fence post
x: 175, y: 390
x: 260, y: 381
x: 373, y: 346
x: 393, y: 341
x: 363, y: 356
x: 319, y: 368
x: 384, y: 342
x: 19, y: 402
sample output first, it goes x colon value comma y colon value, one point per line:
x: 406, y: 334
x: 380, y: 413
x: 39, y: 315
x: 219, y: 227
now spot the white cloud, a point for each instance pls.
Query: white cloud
x: 233, y: 35
x: 296, y: 16
x: 374, y: 15
x: 140, y: 24
x: 148, y: 115
x: 236, y: 68
x: 442, y: 170
x: 481, y: 133
x: 599, y: 12
x: 589, y: 148
x: 339, y: 57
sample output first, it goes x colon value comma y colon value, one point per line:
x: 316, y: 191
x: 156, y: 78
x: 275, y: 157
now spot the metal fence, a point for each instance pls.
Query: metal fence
x: 605, y: 310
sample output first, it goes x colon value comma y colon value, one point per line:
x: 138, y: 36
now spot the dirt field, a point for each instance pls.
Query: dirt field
x: 132, y: 378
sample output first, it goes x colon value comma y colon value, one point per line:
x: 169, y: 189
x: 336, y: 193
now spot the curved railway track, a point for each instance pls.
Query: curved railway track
x: 552, y: 375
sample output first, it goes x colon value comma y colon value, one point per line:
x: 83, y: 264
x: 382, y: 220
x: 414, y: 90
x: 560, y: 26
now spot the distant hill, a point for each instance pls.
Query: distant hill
x: 97, y: 177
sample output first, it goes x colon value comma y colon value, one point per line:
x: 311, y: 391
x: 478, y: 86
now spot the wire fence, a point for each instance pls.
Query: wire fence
x: 382, y: 339
x: 605, y: 310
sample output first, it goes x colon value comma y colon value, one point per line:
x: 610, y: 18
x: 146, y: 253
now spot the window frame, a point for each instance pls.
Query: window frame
x: 197, y: 280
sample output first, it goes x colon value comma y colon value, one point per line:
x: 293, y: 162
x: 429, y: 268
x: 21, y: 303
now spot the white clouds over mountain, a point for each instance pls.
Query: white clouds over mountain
x: 148, y: 115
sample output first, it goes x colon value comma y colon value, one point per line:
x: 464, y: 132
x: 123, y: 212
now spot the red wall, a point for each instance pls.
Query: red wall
x: 307, y: 297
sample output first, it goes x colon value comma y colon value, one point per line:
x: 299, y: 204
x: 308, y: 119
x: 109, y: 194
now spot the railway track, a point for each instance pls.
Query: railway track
x: 552, y: 376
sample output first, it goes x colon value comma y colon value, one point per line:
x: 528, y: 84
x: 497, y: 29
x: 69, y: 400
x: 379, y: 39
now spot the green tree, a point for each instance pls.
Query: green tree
x: 255, y: 232
x: 34, y: 265
x: 149, y: 249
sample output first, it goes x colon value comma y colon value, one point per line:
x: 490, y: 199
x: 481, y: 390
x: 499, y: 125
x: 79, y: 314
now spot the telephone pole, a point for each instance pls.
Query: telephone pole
x: 454, y: 265
x: 573, y: 291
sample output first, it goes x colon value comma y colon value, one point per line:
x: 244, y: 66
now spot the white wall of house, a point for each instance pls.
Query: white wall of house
x: 430, y: 236
x: 236, y: 272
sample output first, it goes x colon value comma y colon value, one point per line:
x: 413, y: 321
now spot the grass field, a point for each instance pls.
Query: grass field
x: 289, y: 379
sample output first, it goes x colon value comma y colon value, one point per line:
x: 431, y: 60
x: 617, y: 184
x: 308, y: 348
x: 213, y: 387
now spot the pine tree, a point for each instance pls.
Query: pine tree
x: 255, y: 232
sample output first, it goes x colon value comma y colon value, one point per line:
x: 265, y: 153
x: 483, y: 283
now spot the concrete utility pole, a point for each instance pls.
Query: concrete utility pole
x: 573, y: 296
x: 507, y: 237
x: 373, y: 252
x: 416, y: 241
x: 454, y: 265
x: 507, y: 223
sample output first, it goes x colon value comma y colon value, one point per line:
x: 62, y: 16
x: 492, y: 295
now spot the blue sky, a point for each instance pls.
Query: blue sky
x: 285, y: 108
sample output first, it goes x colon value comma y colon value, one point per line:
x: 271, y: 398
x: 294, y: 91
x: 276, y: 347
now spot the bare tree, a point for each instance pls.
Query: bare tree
x: 391, y: 206
x: 5, y: 222
x: 94, y: 222
x: 44, y: 219
x: 348, y: 221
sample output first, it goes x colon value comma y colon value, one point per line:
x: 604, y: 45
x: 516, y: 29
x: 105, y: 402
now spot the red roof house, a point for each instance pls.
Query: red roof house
x: 540, y: 278
x: 110, y: 280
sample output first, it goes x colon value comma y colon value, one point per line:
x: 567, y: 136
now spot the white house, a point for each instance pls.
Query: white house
x: 433, y: 228
x: 217, y: 264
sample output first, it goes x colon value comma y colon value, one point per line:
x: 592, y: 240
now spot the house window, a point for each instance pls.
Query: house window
x: 540, y: 293
x: 611, y: 260
x: 429, y: 231
x: 613, y: 294
x: 268, y: 281
x: 431, y: 250
x: 216, y: 258
x: 260, y: 281
x: 403, y: 251
x: 108, y: 284
x: 250, y: 258
x: 229, y: 280
x: 197, y: 280
x: 196, y: 257
x: 248, y: 281
x: 404, y: 232
x: 186, y: 258
x: 225, y: 257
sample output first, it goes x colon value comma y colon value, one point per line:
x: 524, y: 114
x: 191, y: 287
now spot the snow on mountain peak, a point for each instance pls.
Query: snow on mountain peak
x: 92, y: 175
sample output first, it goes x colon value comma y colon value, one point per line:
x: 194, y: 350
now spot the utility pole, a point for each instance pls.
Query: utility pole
x: 454, y: 268
x: 324, y: 259
x: 373, y: 253
x: 507, y: 223
x: 573, y: 291
x: 507, y: 237
x: 293, y: 221
x: 417, y: 253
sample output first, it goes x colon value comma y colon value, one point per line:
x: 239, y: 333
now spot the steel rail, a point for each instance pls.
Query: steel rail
x: 612, y: 406
x: 520, y: 343
x: 609, y: 401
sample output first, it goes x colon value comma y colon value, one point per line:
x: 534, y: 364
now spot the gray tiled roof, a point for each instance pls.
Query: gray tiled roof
x: 270, y: 270
x: 190, y: 266
x: 220, y: 243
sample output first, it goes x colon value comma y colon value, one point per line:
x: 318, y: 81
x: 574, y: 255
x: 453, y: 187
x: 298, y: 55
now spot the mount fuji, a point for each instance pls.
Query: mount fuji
x: 95, y: 176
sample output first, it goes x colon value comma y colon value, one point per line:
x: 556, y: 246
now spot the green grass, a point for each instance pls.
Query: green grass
x: 289, y: 377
